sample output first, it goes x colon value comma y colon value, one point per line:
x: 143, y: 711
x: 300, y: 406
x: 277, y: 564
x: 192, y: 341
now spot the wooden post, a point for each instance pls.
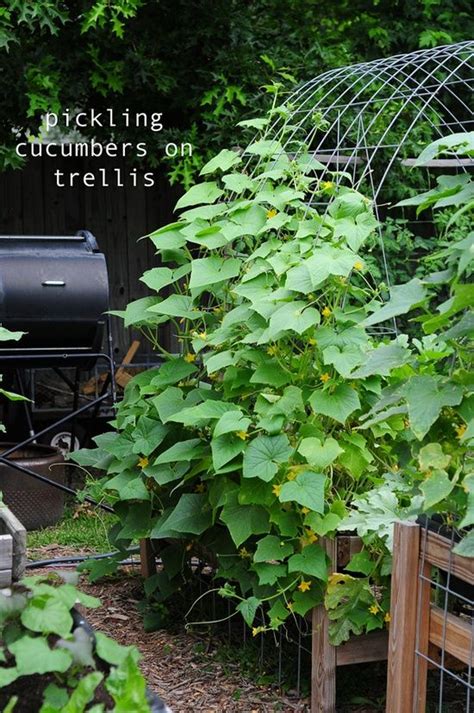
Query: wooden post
x: 10, y: 525
x: 147, y: 559
x: 323, y: 656
x: 403, y: 626
x: 423, y: 638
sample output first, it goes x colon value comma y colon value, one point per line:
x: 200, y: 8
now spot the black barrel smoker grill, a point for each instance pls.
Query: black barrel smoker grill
x: 55, y: 289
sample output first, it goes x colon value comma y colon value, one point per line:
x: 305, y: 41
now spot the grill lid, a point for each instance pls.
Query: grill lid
x: 54, y: 288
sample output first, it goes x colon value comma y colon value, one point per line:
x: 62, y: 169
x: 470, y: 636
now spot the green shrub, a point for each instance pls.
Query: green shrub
x: 293, y: 395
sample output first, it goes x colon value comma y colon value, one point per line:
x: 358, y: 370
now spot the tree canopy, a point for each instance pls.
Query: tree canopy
x: 202, y: 62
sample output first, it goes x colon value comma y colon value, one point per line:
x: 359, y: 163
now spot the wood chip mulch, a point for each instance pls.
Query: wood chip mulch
x: 174, y: 666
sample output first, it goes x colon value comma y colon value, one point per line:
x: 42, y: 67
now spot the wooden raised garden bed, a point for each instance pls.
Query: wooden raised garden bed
x: 12, y: 547
x: 423, y: 634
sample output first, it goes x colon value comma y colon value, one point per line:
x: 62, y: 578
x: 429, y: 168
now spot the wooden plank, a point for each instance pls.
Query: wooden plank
x: 422, y: 643
x: 440, y: 162
x: 363, y: 649
x: 438, y: 552
x: 6, y: 551
x: 10, y: 525
x: 33, y: 214
x: 5, y: 577
x: 404, y: 600
x: 147, y: 558
x: 12, y: 203
x: 121, y: 376
x: 452, y: 634
x: 53, y: 197
x: 323, y: 655
x: 117, y: 255
x: 347, y: 546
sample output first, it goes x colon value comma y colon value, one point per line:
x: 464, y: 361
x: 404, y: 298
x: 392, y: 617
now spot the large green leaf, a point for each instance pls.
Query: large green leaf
x: 48, y: 615
x: 172, y: 371
x: 137, y: 312
x: 244, y: 520
x: 176, y: 306
x: 343, y: 358
x: 231, y: 422
x: 265, y: 148
x: 238, y: 182
x: 248, y: 609
x: 318, y: 454
x: 436, y: 488
x: 294, y: 317
x: 271, y: 373
x: 207, y: 192
x: 210, y: 271
x: 225, y: 448
x: 269, y: 573
x: 264, y: 454
x: 458, y: 143
x: 169, y: 237
x: 325, y: 261
x: 215, y: 362
x: 307, y: 490
x: 129, y: 486
x: 147, y: 435
x: 338, y: 404
x: 183, y: 451
x: 111, y: 651
x: 207, y: 411
x: 310, y: 561
x: 426, y: 396
x: 253, y: 491
x: 157, y: 278
x: 433, y: 456
x: 34, y: 656
x: 403, y: 298
x: 355, y: 230
x: 192, y: 515
x: 382, y: 360
x: 224, y: 160
x: 272, y: 548
x: 465, y: 548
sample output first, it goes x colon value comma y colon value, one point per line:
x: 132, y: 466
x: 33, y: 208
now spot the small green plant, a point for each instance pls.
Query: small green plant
x: 39, y: 638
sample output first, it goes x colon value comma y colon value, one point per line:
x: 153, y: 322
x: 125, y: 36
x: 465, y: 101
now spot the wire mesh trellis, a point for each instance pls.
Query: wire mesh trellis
x: 366, y: 116
x: 431, y: 647
x: 452, y: 599
x: 364, y: 123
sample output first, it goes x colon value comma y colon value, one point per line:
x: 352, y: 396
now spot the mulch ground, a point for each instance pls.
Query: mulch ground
x: 173, y: 661
x: 186, y: 668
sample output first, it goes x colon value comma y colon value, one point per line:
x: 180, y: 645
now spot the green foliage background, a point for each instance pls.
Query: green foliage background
x: 203, y: 63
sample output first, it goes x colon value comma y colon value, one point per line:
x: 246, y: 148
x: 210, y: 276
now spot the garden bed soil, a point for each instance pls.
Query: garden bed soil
x: 30, y: 690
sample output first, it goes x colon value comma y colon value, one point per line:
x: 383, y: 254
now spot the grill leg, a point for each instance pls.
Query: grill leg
x: 26, y: 406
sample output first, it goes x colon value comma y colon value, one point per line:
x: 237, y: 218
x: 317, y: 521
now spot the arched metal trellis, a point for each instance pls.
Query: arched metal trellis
x: 364, y: 117
x: 365, y: 122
